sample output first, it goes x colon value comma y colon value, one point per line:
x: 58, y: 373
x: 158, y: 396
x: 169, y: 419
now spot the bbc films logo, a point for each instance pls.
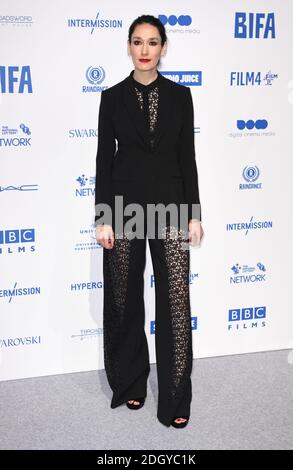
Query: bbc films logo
x: 247, y: 318
x: 17, y: 241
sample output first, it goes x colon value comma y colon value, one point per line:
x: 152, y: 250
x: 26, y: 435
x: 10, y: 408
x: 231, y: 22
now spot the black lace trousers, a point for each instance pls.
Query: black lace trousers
x: 126, y: 354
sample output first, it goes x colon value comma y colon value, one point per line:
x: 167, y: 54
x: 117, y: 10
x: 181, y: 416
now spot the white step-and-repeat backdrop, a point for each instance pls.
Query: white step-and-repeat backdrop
x: 55, y: 58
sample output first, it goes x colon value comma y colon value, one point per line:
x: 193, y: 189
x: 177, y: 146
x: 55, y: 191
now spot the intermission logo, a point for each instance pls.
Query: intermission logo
x: 88, y: 333
x: 192, y: 278
x: 86, y: 186
x: 15, y: 79
x: 250, y: 174
x: 87, y: 239
x: 178, y: 24
x: 17, y: 241
x: 82, y: 133
x: 11, y: 293
x: 85, y: 286
x: 252, y: 128
x: 252, y: 78
x: 244, y: 274
x: 94, y: 23
x: 153, y: 325
x: 95, y: 76
x: 15, y: 136
x: 20, y: 187
x: 254, y: 25
x: 20, y: 341
x: 16, y: 21
x: 251, y: 225
x: 246, y: 318
x: 189, y: 78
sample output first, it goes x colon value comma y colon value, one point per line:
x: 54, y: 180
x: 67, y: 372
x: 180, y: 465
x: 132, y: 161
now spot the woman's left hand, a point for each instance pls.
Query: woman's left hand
x: 195, y: 232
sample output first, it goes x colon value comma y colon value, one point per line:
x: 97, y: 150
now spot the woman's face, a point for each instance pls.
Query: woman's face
x: 145, y: 47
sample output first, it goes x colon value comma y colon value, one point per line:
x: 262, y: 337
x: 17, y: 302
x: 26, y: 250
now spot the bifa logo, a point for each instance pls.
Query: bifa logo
x: 14, y: 79
x: 153, y: 325
x: 247, y: 317
x: 254, y: 25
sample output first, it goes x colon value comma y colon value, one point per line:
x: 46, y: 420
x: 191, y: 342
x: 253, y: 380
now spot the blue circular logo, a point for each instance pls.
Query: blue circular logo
x: 95, y: 75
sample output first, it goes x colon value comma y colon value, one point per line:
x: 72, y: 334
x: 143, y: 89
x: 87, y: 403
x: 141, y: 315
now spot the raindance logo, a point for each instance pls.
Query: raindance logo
x: 95, y: 76
x: 250, y: 174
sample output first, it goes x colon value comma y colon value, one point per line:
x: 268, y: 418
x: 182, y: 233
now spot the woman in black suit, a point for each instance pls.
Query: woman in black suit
x: 151, y: 118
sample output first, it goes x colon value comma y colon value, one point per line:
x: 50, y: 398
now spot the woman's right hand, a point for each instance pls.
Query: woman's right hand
x: 105, y: 236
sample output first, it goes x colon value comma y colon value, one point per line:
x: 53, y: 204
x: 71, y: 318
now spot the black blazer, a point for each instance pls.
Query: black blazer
x: 165, y: 174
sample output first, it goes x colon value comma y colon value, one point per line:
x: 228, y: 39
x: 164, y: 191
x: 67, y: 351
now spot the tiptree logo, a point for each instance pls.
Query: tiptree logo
x: 153, y: 325
x: 95, y: 76
x: 241, y: 319
x: 86, y: 186
x: 187, y: 78
x: 250, y: 174
x: 88, y: 333
x: 254, y: 25
x: 15, y: 136
x: 246, y: 274
x: 15, y: 79
x: 178, y: 24
x: 15, y: 241
x: 251, y: 225
x: 11, y: 293
x: 252, y: 78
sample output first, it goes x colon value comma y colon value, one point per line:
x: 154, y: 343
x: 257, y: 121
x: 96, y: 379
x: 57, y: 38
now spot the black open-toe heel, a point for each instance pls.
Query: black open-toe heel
x: 132, y: 406
x: 180, y: 425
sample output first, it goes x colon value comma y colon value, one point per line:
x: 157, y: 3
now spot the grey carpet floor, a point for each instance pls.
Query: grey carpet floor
x: 239, y: 402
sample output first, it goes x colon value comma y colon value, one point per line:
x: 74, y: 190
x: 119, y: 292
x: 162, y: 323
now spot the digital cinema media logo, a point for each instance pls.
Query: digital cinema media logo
x: 15, y: 79
x: 254, y: 25
x: 240, y: 319
x: 178, y: 24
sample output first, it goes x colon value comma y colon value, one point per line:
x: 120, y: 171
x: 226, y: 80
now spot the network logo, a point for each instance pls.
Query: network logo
x: 15, y: 79
x: 251, y: 225
x: 20, y: 341
x: 88, y: 333
x: 95, y: 76
x: 246, y: 274
x: 21, y: 188
x: 250, y: 174
x: 92, y: 24
x: 153, y: 325
x: 173, y: 20
x: 11, y: 293
x: 252, y: 78
x: 254, y: 25
x: 15, y: 137
x: 86, y: 186
x: 16, y: 21
x: 250, y: 124
x: 247, y: 317
x: 188, y: 78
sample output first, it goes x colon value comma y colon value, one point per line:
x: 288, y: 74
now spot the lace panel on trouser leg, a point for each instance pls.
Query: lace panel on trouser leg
x: 116, y: 268
x: 177, y: 260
